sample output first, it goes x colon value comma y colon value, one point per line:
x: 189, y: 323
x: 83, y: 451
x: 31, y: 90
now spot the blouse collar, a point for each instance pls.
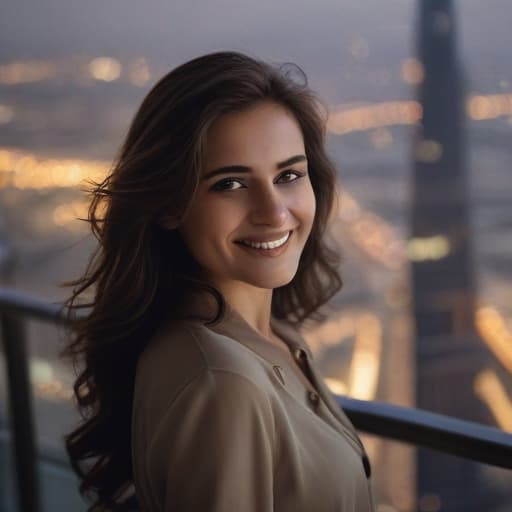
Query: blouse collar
x: 236, y: 327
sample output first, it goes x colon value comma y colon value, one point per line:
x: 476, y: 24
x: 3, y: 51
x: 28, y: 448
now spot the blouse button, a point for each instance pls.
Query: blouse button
x: 298, y: 354
x: 313, y: 397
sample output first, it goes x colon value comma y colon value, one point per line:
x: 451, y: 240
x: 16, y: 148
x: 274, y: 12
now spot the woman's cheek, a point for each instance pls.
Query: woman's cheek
x: 305, y: 205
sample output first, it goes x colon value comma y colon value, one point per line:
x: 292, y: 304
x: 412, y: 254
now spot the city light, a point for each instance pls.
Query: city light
x: 366, y: 331
x: 75, y: 69
x: 22, y: 72
x: 480, y: 107
x: 371, y: 233
x: 493, y: 330
x: 342, y: 119
x: 379, y: 240
x: 365, y: 365
x: 67, y: 215
x: 46, y: 384
x: 139, y: 72
x: 412, y: 71
x: 490, y: 390
x: 336, y: 386
x: 106, y: 69
x: 347, y: 119
x: 381, y: 138
x: 24, y: 170
x: 428, y: 248
x: 333, y: 331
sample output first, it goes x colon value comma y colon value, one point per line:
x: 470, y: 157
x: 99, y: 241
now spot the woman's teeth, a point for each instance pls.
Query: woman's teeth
x: 267, y: 245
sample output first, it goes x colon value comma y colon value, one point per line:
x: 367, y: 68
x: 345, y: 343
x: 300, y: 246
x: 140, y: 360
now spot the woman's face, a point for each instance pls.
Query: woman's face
x: 254, y: 188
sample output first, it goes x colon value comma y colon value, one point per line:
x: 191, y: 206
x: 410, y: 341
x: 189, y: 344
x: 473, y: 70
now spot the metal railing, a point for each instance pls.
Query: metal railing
x: 421, y: 428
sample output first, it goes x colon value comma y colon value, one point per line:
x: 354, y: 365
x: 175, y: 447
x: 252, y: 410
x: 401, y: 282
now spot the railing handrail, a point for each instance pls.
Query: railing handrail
x: 20, y: 303
x: 447, y: 434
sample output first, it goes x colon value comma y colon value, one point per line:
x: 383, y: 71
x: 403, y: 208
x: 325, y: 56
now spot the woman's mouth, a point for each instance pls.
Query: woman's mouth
x: 269, y: 248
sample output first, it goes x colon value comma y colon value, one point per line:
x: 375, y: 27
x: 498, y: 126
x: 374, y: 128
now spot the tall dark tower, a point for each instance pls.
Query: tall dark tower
x: 449, y: 354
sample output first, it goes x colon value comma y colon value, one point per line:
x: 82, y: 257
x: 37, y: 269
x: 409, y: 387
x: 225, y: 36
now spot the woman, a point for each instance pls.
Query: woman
x: 196, y: 390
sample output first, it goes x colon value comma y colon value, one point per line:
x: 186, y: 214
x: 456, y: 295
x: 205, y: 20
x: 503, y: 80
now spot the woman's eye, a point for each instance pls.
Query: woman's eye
x: 227, y: 184
x: 295, y: 175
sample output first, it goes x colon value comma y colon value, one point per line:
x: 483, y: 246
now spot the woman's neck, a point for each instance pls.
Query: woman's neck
x: 254, y: 305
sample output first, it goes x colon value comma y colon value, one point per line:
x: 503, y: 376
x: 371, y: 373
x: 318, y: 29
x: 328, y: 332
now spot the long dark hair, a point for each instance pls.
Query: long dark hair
x: 140, y: 272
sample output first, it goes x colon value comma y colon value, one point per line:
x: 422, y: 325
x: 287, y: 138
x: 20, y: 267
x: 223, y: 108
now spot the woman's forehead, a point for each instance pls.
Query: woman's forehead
x: 264, y: 134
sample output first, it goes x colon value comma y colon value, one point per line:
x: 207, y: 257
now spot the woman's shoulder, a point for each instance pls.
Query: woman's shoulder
x: 194, y: 345
x: 181, y: 350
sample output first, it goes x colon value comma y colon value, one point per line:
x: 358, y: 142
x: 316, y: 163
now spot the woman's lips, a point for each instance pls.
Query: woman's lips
x: 266, y: 252
x: 275, y: 241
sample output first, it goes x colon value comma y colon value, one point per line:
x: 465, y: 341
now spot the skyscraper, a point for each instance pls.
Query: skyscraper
x: 449, y: 354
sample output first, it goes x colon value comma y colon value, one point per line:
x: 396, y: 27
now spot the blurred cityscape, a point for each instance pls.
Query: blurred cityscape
x: 70, y: 83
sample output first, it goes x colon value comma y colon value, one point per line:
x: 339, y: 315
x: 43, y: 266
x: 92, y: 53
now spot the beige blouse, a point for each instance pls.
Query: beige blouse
x: 224, y: 421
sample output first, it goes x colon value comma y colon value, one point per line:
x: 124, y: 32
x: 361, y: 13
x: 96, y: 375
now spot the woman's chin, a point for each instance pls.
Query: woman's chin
x: 270, y: 283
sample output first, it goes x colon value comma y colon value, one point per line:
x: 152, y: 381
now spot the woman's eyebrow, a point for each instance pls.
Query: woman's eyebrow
x: 230, y: 169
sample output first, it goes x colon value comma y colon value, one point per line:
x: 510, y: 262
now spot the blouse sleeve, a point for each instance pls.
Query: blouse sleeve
x: 214, y: 448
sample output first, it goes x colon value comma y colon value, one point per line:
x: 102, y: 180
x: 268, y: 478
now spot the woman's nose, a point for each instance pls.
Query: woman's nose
x: 269, y: 208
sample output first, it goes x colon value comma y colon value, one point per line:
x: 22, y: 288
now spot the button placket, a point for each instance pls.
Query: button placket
x: 313, y: 397
x: 315, y: 381
x: 351, y: 436
x: 301, y: 358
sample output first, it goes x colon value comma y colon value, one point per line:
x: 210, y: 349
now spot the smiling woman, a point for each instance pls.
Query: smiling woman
x: 196, y: 390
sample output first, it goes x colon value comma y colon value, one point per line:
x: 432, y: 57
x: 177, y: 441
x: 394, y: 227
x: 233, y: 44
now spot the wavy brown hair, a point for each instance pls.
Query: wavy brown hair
x: 139, y: 272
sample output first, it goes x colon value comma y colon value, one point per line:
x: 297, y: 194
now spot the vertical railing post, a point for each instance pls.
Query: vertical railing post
x: 21, y: 416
